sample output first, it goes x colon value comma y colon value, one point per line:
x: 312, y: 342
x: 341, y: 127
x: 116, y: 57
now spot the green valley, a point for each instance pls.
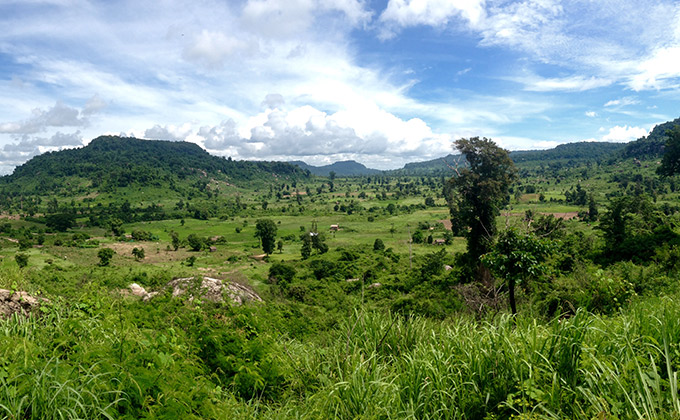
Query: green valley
x: 150, y: 279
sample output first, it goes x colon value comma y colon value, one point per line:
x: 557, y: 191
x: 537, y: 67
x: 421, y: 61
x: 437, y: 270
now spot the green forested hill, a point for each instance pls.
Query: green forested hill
x: 652, y: 145
x: 569, y: 153
x: 580, y: 151
x: 111, y: 161
x: 343, y: 168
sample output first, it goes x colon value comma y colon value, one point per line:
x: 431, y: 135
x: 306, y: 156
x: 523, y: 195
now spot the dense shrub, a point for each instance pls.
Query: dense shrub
x: 281, y: 273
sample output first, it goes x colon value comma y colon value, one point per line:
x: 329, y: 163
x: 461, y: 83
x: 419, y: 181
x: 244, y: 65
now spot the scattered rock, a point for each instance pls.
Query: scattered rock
x: 351, y: 280
x: 374, y: 286
x: 448, y: 268
x: 17, y: 302
x: 136, y: 290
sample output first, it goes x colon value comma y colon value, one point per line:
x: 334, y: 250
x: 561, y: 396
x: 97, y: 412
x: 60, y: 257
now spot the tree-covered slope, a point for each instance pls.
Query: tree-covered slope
x: 343, y: 168
x: 579, y: 152
x: 112, y: 161
x: 570, y: 153
x: 651, y: 146
x: 429, y: 166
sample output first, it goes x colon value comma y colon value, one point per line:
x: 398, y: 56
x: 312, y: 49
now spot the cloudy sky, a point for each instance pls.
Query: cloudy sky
x: 383, y: 82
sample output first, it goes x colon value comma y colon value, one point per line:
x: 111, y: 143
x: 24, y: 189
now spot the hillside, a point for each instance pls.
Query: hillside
x: 108, y: 162
x: 570, y: 153
x: 652, y: 145
x: 342, y: 168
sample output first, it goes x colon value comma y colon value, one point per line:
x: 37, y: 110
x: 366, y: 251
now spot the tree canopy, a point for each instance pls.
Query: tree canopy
x: 479, y: 190
x: 517, y: 257
x: 265, y: 230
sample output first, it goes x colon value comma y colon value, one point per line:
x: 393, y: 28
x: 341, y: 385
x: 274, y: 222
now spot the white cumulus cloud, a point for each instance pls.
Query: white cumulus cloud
x: 60, y: 115
x: 405, y: 13
x: 622, y: 134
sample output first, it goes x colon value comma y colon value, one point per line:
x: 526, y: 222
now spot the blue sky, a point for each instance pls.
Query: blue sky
x: 382, y: 82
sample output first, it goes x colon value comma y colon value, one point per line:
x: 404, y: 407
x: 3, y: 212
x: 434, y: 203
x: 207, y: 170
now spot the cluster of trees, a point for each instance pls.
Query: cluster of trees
x: 312, y: 240
x: 633, y: 228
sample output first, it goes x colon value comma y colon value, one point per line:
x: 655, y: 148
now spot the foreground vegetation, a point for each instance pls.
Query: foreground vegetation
x: 123, y: 359
x: 372, y: 307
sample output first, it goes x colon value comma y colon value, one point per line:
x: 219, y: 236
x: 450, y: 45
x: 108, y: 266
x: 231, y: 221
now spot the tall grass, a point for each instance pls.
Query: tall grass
x: 133, y: 360
x: 584, y: 367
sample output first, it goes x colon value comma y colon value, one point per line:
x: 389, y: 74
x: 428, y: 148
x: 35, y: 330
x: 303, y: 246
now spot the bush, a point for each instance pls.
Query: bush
x: 589, y: 288
x: 60, y: 222
x: 281, y: 273
x: 25, y: 243
x: 142, y: 235
x: 196, y: 243
x: 138, y: 253
x: 80, y: 237
x: 21, y: 259
x: 378, y: 245
x: 323, y: 268
x: 105, y: 255
x: 298, y: 292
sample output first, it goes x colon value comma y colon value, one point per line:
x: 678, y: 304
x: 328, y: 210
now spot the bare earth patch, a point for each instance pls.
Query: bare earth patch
x: 446, y: 223
x: 566, y: 216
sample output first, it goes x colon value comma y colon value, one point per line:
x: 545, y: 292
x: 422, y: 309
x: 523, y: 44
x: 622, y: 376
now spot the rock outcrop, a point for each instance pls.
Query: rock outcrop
x: 208, y: 288
x: 17, y: 302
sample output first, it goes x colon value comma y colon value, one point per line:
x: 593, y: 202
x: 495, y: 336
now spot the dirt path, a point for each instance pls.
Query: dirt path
x: 566, y: 216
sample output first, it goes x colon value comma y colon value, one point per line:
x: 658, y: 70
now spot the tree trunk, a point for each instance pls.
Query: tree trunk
x: 511, y: 289
x: 484, y: 276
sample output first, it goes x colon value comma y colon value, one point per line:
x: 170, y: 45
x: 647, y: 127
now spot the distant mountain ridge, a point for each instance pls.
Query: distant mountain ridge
x: 650, y: 146
x: 341, y: 168
x: 645, y: 147
x: 564, y: 153
x: 113, y: 161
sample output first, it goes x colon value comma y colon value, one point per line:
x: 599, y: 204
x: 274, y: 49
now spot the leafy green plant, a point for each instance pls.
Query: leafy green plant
x: 517, y: 257
x: 138, y: 253
x: 105, y: 255
x: 21, y: 259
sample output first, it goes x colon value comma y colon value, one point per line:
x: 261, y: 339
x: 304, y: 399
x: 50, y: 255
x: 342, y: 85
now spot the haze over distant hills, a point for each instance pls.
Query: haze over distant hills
x: 645, y: 147
x: 119, y: 161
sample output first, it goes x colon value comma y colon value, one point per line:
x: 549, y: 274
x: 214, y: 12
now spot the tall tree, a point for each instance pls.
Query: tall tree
x: 477, y: 193
x: 265, y: 230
